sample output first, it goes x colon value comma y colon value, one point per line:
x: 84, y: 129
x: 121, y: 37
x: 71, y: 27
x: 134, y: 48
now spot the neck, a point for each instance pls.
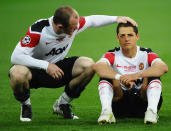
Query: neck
x: 56, y: 29
x: 53, y: 25
x: 130, y: 53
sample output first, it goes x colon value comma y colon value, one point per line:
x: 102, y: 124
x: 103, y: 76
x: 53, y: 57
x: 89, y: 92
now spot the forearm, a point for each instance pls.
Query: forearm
x: 154, y: 71
x: 100, y: 20
x: 104, y: 71
x: 26, y: 60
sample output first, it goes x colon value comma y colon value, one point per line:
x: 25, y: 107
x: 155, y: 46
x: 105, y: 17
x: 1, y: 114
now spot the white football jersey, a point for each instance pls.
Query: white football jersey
x: 42, y: 45
x: 41, y: 42
x: 123, y: 65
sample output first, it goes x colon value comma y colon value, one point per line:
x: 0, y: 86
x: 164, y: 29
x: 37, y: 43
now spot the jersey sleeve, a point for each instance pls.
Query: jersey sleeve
x: 152, y: 57
x: 30, y: 39
x: 109, y: 57
x: 95, y: 21
x: 24, y: 50
x: 81, y: 26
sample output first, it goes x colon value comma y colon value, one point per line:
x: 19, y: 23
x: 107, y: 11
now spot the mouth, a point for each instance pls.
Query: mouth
x: 126, y: 44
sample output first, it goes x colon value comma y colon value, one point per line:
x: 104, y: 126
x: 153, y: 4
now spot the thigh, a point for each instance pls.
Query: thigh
x: 41, y: 79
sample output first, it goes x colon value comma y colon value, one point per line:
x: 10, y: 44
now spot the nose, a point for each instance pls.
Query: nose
x: 126, y: 38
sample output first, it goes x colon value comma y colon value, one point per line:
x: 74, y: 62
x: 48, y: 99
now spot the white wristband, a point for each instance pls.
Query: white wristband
x: 117, y: 77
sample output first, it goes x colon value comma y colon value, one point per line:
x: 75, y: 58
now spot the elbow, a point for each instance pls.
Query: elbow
x: 166, y: 69
x: 13, y: 59
x: 94, y: 67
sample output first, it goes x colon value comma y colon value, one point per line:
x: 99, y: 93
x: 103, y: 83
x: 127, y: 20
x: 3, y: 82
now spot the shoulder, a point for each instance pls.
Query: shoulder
x: 151, y: 56
x: 32, y: 37
x: 148, y: 50
x: 39, y: 25
x: 116, y: 49
x: 82, y: 22
x: 110, y: 55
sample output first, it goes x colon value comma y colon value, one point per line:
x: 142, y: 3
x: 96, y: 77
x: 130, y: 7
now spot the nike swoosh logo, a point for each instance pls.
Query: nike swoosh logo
x: 118, y: 65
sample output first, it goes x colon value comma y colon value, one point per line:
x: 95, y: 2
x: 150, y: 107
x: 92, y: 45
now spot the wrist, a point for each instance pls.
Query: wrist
x: 140, y: 74
x: 117, y: 77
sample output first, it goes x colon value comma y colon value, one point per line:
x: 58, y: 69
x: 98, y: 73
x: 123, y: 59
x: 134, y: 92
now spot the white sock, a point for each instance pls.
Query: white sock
x: 153, y: 94
x: 27, y: 102
x: 106, y: 95
x: 64, y: 99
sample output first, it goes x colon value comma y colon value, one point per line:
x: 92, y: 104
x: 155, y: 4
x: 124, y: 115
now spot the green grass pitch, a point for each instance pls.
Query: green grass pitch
x: 153, y: 18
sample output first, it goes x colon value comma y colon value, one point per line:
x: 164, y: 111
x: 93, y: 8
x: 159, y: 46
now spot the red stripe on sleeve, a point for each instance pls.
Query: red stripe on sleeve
x: 151, y: 57
x: 81, y: 22
x: 30, y: 40
x: 110, y: 57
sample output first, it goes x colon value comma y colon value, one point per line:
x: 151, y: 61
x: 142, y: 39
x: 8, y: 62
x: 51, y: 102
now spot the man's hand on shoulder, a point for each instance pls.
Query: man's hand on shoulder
x: 124, y: 19
x: 54, y: 71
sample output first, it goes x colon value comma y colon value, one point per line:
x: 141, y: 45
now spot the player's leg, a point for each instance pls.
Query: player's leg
x: 108, y: 91
x: 154, y: 100
x: 81, y: 73
x: 19, y: 80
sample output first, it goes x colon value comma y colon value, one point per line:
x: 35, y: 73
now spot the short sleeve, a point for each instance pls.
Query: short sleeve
x: 151, y: 57
x: 110, y: 57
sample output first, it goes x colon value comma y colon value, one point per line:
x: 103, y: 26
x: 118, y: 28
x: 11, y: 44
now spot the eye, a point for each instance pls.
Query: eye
x: 122, y: 35
x: 130, y: 35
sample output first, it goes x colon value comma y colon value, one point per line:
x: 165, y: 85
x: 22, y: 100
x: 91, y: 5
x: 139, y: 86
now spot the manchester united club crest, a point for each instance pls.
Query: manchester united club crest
x: 141, y: 66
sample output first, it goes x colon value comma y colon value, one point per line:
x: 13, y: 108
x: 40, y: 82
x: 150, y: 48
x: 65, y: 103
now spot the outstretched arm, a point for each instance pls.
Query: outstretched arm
x: 102, y: 20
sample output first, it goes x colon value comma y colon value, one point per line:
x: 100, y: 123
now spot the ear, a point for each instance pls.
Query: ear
x: 60, y: 26
x: 117, y: 38
x: 138, y: 36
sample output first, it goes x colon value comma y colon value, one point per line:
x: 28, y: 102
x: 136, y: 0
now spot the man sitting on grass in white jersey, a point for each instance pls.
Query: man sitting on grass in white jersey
x: 130, y: 84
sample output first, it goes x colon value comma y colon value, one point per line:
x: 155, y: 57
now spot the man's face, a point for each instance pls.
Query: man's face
x: 127, y: 37
x: 72, y: 24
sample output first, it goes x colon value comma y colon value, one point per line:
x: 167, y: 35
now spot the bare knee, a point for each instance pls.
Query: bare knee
x: 86, y: 62
x: 19, y: 74
x: 83, y: 65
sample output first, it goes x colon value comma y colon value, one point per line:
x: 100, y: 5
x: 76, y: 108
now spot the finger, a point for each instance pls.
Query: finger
x: 56, y: 76
x: 53, y: 76
x: 59, y: 74
x: 131, y: 21
x: 124, y: 20
x: 128, y: 19
x: 131, y: 85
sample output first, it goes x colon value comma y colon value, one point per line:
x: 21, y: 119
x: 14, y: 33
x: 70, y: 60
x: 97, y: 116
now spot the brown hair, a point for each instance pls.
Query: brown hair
x: 62, y: 15
x: 128, y: 24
